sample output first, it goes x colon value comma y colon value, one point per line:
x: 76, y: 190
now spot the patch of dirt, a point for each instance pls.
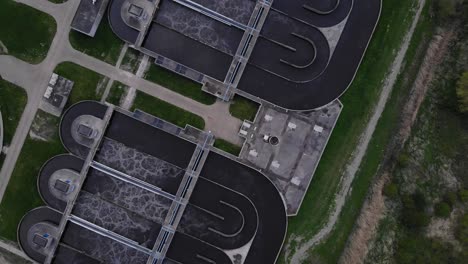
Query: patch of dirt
x: 381, y: 249
x: 44, y: 127
x: 131, y: 61
x: 374, y: 207
x: 448, y: 178
x: 434, y: 56
x: 366, y: 224
x: 443, y: 229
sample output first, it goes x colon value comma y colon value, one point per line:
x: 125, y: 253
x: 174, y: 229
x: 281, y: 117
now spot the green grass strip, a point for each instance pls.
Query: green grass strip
x: 116, y: 92
x: 243, y: 108
x: 13, y: 99
x: 166, y: 111
x: 227, y: 146
x: 178, y: 84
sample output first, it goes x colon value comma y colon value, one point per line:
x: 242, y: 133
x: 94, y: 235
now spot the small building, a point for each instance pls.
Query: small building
x: 88, y: 16
x: 56, y: 95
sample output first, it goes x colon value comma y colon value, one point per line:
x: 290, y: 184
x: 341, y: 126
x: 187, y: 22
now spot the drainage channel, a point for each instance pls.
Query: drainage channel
x: 179, y: 203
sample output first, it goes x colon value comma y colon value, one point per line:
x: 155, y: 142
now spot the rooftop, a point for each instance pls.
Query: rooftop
x: 56, y: 96
x: 89, y: 15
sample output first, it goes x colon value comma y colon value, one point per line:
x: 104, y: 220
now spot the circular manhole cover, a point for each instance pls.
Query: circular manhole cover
x: 274, y: 141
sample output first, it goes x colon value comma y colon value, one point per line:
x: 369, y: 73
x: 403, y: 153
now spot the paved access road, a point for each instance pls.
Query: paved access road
x: 1, y: 132
x: 34, y: 79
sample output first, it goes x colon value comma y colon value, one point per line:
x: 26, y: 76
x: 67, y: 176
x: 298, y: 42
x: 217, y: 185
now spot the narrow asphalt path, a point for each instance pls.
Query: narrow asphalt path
x: 34, y: 79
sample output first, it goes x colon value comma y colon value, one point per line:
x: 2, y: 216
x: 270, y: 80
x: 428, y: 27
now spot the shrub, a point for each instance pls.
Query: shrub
x: 408, y: 202
x: 414, y: 219
x: 462, y: 92
x: 446, y: 8
x: 415, y: 249
x: 419, y: 201
x: 403, y: 160
x: 390, y: 190
x: 443, y: 210
x: 414, y: 215
x: 463, y: 194
x: 462, y: 230
x: 451, y: 198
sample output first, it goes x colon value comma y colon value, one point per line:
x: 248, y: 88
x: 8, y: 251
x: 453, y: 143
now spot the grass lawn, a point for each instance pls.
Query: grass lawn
x: 243, y: 108
x: 21, y: 194
x: 130, y: 61
x: 227, y: 146
x: 166, y: 111
x: 105, y: 45
x: 26, y: 32
x: 179, y: 84
x: 86, y: 82
x: 116, y: 92
x: 358, y: 103
x: 13, y: 99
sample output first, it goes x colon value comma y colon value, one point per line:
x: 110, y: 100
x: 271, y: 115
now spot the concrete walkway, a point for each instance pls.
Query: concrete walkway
x: 123, y: 51
x: 34, y: 79
x: 130, y: 96
x: 14, y: 249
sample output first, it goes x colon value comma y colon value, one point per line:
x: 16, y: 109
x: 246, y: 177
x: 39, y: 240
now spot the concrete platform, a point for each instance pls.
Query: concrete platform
x: 287, y: 147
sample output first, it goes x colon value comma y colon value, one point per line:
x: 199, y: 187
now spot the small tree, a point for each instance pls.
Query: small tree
x: 462, y: 92
x: 443, y: 210
x: 415, y: 220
